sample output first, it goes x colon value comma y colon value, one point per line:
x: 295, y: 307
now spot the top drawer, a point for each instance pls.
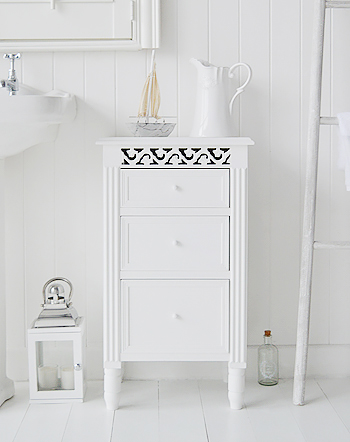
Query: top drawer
x: 174, y: 188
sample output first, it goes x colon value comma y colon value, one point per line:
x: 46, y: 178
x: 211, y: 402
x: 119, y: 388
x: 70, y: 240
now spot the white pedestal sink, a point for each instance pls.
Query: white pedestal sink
x: 32, y: 117
x: 26, y: 119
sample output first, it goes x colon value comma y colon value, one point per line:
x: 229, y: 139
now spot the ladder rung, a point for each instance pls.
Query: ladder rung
x: 337, y: 4
x: 329, y: 120
x: 332, y: 245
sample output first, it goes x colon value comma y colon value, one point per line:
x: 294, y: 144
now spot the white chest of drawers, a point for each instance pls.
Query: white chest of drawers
x: 175, y: 219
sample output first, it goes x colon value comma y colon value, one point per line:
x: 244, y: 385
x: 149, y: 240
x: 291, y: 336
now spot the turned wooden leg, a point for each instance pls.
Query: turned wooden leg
x: 112, y: 387
x: 236, y: 383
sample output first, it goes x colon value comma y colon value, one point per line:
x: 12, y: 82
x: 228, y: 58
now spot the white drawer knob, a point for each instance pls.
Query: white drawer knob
x: 175, y: 187
x: 176, y: 242
x: 176, y: 316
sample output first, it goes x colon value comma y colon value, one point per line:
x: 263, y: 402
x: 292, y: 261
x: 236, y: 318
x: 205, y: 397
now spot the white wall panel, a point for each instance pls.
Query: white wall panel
x: 14, y: 244
x: 224, y: 32
x: 39, y: 224
x: 339, y: 306
x: 69, y: 210
x: 37, y: 70
x: 284, y: 171
x: 167, y: 62
x: 131, y: 73
x: 100, y: 105
x: 255, y: 121
x: 193, y: 42
x: 224, y: 46
x: 54, y: 190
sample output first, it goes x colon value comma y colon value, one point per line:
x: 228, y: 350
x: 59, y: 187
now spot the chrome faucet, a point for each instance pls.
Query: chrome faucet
x: 12, y: 82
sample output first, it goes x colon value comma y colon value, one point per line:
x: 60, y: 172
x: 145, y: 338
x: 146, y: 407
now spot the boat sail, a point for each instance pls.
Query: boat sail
x: 150, y: 98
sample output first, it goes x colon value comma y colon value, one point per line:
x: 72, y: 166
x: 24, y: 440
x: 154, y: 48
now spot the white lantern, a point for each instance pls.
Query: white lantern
x: 56, y: 349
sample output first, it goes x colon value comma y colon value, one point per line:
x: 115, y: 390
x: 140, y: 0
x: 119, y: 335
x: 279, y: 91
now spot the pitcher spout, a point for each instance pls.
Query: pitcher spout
x: 201, y: 63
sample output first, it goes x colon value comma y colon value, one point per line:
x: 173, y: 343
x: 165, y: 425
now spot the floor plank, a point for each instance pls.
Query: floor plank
x: 184, y: 411
x: 270, y: 414
x: 137, y: 416
x: 317, y: 419
x: 90, y: 420
x: 337, y: 392
x: 180, y: 412
x: 43, y: 423
x: 224, y: 424
x: 13, y: 412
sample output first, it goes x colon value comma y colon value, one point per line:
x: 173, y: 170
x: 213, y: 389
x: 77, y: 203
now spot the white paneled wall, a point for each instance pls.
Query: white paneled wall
x: 54, y: 190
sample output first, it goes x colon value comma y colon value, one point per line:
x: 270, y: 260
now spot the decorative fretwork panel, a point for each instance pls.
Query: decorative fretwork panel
x: 175, y: 156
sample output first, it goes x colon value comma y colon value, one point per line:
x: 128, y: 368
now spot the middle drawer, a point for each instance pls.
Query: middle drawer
x: 175, y: 243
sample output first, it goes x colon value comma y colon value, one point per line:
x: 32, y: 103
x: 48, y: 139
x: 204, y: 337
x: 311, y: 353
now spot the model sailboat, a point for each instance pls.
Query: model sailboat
x: 149, y: 124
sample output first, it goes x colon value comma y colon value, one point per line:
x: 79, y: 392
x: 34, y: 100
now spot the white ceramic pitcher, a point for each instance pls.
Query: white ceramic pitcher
x: 212, y: 117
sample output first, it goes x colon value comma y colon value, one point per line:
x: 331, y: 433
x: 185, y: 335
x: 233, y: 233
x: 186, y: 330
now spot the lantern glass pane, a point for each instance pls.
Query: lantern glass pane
x: 55, y: 365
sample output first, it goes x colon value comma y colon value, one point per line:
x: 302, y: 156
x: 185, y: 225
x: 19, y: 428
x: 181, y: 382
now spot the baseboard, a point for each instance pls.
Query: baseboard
x: 323, y: 361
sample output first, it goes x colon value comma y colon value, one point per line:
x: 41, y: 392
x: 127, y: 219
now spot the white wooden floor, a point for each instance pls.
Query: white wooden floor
x: 184, y: 411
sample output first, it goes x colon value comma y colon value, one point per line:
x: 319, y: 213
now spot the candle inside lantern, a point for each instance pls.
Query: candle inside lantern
x: 67, y: 377
x: 47, y: 377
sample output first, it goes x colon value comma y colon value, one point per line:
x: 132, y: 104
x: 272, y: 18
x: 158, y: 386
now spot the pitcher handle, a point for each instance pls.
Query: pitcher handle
x: 240, y: 89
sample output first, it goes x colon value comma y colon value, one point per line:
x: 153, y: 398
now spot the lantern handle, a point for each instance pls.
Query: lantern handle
x: 59, y: 279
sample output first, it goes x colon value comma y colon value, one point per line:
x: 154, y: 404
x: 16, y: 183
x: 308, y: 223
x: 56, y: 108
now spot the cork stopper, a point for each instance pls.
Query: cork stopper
x: 267, y: 333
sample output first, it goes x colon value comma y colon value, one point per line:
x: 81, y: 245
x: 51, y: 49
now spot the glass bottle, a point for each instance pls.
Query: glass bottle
x: 267, y: 361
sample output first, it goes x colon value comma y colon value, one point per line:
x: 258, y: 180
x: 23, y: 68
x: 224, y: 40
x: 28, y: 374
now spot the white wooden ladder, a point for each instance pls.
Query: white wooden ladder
x: 308, y: 241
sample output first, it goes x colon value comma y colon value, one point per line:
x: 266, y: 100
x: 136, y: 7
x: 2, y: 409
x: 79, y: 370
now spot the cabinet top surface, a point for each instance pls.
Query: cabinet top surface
x: 175, y: 141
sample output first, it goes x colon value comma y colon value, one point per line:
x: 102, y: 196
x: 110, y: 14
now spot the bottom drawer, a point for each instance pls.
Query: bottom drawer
x: 175, y: 320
